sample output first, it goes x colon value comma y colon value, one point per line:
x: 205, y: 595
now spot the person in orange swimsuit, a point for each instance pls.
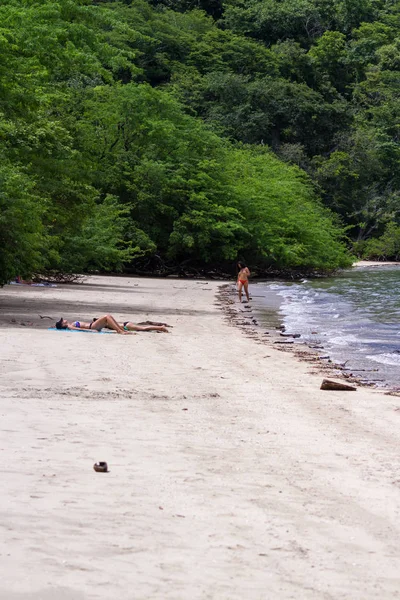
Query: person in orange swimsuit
x: 243, y: 281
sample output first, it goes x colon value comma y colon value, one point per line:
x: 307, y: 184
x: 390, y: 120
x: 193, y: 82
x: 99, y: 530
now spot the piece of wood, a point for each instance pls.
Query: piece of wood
x: 293, y: 335
x: 327, y: 384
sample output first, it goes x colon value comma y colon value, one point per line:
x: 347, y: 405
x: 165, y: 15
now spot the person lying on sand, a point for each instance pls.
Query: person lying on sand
x: 129, y: 326
x: 146, y: 326
x: 96, y: 325
x: 154, y: 323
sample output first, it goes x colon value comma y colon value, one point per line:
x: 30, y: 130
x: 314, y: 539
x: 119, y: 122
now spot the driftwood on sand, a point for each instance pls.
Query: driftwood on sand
x: 327, y: 384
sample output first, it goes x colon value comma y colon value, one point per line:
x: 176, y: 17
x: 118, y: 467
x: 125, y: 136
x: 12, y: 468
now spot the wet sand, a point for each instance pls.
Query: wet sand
x: 232, y: 475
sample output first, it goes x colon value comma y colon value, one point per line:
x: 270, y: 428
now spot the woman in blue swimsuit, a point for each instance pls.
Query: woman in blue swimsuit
x: 96, y: 325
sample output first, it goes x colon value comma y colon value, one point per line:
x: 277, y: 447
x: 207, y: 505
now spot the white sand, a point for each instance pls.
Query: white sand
x: 375, y: 263
x: 264, y: 488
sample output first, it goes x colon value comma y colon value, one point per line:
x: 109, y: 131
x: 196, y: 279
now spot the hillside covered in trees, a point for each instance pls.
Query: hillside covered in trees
x: 198, y: 131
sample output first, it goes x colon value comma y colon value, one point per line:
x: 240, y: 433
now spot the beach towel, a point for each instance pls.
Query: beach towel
x: 78, y: 330
x: 53, y: 285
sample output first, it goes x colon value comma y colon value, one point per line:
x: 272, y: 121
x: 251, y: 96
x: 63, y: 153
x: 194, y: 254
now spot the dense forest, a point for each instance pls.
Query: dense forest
x: 197, y: 132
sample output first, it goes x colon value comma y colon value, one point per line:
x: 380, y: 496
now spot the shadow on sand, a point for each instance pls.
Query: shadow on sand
x: 23, y: 308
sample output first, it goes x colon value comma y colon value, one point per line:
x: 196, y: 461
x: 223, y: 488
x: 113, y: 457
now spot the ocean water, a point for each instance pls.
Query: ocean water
x: 355, y: 316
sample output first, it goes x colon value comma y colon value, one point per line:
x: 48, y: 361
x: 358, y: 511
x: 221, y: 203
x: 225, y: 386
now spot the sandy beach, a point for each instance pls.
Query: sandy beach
x: 232, y: 475
x: 375, y: 263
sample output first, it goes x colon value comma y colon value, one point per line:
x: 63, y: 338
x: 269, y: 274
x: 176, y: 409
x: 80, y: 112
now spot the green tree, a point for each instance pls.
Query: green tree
x: 22, y: 235
x: 385, y: 247
x: 288, y: 226
x: 212, y: 7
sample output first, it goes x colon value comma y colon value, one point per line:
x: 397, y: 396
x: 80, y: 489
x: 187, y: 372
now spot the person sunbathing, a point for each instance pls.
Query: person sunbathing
x: 144, y: 326
x: 96, y: 325
x: 129, y: 326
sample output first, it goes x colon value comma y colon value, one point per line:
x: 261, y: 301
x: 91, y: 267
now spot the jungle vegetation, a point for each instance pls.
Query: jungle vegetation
x: 198, y: 131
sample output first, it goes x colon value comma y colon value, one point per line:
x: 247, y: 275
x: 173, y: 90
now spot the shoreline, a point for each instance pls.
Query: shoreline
x: 230, y: 471
x: 280, y: 340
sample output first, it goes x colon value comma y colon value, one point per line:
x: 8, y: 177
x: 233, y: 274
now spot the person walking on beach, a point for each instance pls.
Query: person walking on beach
x: 243, y: 281
x: 96, y: 325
